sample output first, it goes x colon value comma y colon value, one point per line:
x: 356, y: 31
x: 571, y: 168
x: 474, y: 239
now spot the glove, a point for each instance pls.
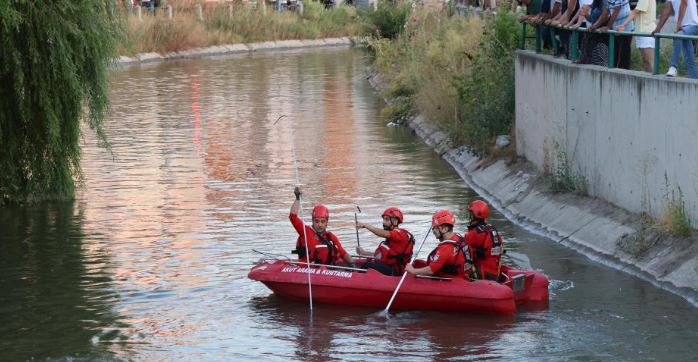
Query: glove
x: 297, y: 192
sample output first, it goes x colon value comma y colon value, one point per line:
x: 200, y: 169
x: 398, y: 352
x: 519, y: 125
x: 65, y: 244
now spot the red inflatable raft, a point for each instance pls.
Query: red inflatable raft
x: 369, y: 288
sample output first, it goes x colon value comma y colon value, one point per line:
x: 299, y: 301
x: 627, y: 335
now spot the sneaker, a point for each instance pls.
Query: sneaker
x: 671, y: 72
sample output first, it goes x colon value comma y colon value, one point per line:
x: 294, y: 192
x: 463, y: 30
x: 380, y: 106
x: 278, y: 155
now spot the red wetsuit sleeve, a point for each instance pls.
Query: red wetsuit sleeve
x: 297, y: 223
x: 443, y: 254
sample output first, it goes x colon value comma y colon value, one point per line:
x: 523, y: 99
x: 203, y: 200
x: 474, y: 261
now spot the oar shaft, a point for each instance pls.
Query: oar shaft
x: 426, y: 235
x: 300, y: 210
x: 356, y: 222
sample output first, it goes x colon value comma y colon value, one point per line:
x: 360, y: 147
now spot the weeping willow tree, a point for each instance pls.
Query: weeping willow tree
x: 54, y: 58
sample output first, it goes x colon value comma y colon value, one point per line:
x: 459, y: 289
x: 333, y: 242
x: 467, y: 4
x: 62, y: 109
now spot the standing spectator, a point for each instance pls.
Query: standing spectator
x: 620, y: 10
x: 568, y: 8
x: 645, y: 13
x: 687, y: 24
x: 582, y: 17
x: 595, y: 45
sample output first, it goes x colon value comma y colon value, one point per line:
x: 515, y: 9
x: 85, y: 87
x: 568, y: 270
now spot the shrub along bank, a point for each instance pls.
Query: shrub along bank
x: 457, y: 72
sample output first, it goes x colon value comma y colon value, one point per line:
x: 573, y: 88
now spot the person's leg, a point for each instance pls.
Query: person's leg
x: 646, y: 47
x: 545, y: 34
x: 647, y: 59
x: 624, y: 57
x: 564, y: 41
x: 689, y: 55
x: 380, y: 267
x: 675, y: 53
x: 689, y: 58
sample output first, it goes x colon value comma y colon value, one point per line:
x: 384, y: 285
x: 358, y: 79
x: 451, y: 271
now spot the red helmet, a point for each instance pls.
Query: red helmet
x: 443, y: 217
x: 321, y: 212
x: 393, y: 212
x: 479, y: 209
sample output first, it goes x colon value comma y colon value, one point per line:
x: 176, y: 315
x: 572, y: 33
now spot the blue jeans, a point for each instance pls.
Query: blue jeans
x: 687, y: 45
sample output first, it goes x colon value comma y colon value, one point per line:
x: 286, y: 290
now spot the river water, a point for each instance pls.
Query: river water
x: 151, y: 260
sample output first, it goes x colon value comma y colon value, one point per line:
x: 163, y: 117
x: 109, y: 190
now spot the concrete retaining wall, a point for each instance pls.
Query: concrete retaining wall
x: 238, y: 48
x: 592, y: 226
x: 633, y: 137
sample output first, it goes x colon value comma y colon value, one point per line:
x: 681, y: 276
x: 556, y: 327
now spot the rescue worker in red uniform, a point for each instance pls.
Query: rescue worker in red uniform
x: 395, y: 251
x: 323, y: 246
x: 485, y: 242
x: 451, y: 257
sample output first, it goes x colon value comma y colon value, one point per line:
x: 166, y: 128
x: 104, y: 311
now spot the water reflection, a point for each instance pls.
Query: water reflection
x: 336, y: 332
x: 56, y: 291
x: 151, y: 261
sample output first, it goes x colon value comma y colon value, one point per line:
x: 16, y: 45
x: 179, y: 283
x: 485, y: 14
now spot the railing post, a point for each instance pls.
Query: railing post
x: 522, y: 44
x: 554, y: 41
x: 539, y: 40
x: 139, y: 12
x: 230, y: 11
x: 573, y: 45
x: 611, y: 51
x: 656, y: 56
x: 168, y: 10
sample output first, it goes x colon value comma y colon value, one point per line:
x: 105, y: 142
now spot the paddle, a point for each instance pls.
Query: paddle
x: 405, y: 273
x: 356, y: 222
x: 300, y: 207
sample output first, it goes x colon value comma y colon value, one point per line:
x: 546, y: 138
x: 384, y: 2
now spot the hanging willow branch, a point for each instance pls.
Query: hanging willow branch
x: 54, y: 57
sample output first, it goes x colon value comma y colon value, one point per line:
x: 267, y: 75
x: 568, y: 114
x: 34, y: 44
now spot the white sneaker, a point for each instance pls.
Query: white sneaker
x: 671, y: 72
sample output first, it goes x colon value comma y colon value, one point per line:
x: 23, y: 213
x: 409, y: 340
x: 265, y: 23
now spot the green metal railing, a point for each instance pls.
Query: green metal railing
x: 612, y: 34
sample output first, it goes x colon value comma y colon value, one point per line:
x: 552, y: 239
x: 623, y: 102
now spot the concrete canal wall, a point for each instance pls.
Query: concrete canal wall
x: 632, y: 137
x: 622, y: 131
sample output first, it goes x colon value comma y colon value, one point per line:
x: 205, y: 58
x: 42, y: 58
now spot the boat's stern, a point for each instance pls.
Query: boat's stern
x: 529, y: 286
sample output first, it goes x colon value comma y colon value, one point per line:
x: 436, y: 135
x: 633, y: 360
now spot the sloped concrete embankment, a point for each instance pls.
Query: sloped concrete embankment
x: 591, y: 226
x: 219, y: 50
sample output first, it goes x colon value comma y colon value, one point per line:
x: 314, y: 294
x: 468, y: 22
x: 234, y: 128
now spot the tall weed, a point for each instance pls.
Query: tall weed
x: 487, y: 93
x: 456, y: 71
x: 388, y: 21
x: 185, y: 30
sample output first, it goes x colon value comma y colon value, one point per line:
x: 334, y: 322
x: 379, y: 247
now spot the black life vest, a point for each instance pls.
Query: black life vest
x: 324, y: 251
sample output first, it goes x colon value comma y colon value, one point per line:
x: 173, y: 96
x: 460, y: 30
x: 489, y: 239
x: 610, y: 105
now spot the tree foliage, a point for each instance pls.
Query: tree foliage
x: 54, y: 58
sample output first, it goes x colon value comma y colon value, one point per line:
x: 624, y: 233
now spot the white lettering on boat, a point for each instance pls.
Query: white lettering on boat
x: 331, y: 273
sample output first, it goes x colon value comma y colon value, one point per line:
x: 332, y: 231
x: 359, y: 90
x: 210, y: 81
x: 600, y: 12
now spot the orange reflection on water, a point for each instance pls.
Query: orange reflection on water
x: 338, y: 140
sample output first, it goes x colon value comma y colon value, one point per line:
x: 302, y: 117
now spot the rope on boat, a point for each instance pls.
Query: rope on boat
x: 272, y: 255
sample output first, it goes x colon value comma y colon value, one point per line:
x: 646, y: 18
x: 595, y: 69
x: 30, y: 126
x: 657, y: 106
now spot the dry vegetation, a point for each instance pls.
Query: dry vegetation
x: 157, y: 33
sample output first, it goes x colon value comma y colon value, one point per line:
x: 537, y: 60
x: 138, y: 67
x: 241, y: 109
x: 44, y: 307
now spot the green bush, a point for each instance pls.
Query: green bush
x: 675, y: 218
x: 563, y: 178
x: 487, y: 93
x: 388, y: 21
